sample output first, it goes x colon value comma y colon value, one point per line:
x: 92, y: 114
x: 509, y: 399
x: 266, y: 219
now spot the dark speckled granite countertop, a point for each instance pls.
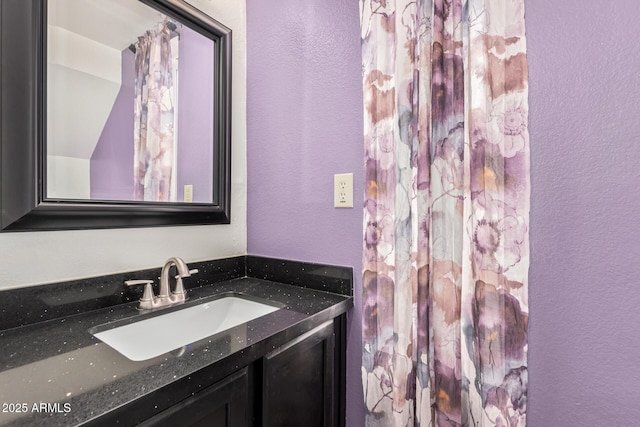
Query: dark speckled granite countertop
x: 57, y: 373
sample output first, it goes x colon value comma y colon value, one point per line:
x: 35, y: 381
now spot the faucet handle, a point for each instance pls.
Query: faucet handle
x: 180, y: 286
x: 194, y: 271
x: 137, y: 282
x: 177, y: 276
x: 147, y: 297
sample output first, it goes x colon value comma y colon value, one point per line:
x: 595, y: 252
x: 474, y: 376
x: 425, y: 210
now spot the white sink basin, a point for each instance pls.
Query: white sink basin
x: 157, y: 335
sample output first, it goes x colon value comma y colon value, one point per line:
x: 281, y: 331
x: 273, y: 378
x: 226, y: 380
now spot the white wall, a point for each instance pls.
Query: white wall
x: 94, y: 71
x: 68, y: 177
x: 42, y: 257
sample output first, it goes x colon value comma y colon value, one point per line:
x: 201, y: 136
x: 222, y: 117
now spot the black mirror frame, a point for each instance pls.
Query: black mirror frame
x: 23, y: 133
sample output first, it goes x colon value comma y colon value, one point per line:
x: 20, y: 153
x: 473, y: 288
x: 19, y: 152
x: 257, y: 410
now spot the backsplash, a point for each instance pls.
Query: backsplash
x: 328, y: 278
x: 24, y: 306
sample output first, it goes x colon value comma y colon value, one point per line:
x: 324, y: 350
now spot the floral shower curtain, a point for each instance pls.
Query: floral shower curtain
x: 153, y: 115
x: 445, y: 309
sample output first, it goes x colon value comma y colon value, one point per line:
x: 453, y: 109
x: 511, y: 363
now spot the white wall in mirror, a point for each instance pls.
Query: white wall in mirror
x: 31, y: 258
x: 70, y: 142
x: 68, y: 177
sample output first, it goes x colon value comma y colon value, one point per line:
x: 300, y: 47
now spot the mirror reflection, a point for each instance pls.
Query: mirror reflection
x: 130, y: 104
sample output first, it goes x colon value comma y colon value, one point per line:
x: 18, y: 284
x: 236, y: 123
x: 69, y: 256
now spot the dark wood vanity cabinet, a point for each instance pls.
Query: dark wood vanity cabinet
x: 299, y: 386
x: 300, y: 383
x: 227, y: 403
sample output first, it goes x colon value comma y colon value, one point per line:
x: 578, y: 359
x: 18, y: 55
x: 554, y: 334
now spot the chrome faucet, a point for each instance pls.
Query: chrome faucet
x: 149, y: 300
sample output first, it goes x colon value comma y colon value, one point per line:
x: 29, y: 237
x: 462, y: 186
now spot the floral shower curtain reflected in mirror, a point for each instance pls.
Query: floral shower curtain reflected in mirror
x: 154, y: 109
x: 446, y: 248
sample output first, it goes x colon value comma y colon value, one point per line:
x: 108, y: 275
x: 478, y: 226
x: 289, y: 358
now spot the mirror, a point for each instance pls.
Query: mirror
x: 129, y: 104
x: 119, y: 112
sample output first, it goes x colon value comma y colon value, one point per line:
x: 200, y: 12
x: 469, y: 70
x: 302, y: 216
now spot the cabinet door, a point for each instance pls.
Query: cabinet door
x: 226, y: 403
x: 298, y: 382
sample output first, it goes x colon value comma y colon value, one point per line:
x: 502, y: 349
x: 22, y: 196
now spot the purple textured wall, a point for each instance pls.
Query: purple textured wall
x: 195, y: 116
x: 584, y: 121
x: 112, y: 159
x: 304, y: 124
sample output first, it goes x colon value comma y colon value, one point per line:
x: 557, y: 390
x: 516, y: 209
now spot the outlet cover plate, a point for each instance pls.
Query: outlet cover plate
x: 343, y: 190
x: 188, y: 193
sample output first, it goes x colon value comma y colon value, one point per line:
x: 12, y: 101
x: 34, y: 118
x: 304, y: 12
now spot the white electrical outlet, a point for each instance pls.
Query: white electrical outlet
x: 188, y: 193
x: 343, y: 190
